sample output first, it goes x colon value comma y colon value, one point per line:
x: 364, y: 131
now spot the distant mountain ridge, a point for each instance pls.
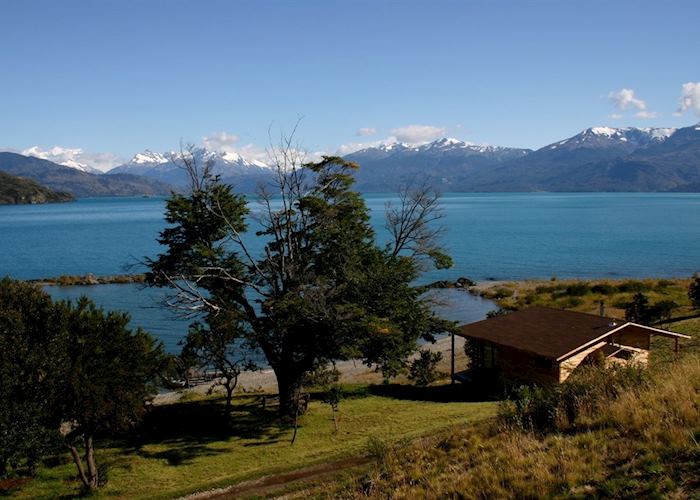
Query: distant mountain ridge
x: 603, y: 159
x: 596, y: 159
x: 56, y: 152
x: 76, y: 182
x: 232, y: 167
x: 446, y: 163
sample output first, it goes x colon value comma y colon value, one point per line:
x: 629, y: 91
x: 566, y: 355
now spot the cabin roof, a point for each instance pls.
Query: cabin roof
x: 548, y: 332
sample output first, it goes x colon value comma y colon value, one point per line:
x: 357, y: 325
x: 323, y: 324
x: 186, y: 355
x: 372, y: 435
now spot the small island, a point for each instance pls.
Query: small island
x: 18, y: 191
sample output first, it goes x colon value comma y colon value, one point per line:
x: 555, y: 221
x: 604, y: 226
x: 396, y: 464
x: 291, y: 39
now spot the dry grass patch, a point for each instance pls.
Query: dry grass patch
x: 644, y: 442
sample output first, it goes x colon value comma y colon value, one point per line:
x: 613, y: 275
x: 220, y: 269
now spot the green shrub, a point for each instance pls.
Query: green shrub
x: 577, y: 401
x: 502, y: 293
x: 423, y: 369
x: 633, y: 286
x: 571, y: 302
x: 603, y: 289
x: 577, y: 289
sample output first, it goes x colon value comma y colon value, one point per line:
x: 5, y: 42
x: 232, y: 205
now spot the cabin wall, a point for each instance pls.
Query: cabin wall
x: 517, y: 365
x: 567, y: 366
x: 633, y: 336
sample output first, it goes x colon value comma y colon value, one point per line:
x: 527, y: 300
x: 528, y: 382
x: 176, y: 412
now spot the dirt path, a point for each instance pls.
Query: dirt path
x: 274, y: 482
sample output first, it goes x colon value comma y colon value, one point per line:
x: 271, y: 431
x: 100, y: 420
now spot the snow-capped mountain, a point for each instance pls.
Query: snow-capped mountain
x: 446, y: 144
x: 445, y: 162
x: 167, y: 166
x: 148, y: 157
x: 628, y: 137
x: 604, y: 159
x: 62, y: 156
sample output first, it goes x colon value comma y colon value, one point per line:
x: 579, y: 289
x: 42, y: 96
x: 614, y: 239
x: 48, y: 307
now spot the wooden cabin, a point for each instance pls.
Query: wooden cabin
x: 544, y: 345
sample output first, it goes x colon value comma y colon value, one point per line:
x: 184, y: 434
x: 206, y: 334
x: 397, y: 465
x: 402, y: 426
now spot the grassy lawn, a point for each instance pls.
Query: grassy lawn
x: 188, y: 447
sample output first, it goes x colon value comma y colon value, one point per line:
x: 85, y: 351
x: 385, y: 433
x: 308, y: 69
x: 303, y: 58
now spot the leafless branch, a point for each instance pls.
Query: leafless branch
x: 412, y: 223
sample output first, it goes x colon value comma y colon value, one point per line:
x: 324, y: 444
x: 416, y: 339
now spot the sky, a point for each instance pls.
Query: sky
x: 99, y: 81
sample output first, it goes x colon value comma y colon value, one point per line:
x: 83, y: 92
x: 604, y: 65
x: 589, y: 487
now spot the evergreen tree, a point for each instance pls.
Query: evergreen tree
x: 694, y: 291
x: 30, y: 349
x: 108, y: 374
x: 323, y: 289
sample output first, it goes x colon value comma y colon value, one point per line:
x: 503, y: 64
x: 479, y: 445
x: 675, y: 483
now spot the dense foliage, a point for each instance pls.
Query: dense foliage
x: 30, y: 347
x: 67, y: 373
x: 423, y: 370
x: 694, y: 292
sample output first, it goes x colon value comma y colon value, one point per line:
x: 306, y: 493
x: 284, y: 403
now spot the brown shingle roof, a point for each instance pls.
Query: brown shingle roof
x: 541, y: 330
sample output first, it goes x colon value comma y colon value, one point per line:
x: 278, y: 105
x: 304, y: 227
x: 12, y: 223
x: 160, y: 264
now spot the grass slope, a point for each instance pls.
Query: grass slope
x: 643, y: 443
x: 186, y: 447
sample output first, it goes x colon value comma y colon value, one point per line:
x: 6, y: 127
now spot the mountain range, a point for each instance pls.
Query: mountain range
x: 232, y: 167
x: 77, y: 182
x: 597, y: 159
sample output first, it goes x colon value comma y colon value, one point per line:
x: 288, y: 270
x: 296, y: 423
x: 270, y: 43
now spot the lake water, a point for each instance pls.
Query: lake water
x: 490, y: 236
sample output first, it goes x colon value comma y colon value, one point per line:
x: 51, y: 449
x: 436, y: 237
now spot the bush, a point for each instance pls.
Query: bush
x: 576, y: 402
x: 603, y: 289
x: 497, y: 312
x: 694, y: 291
x: 423, y: 369
x: 663, y: 284
x: 633, y: 286
x: 577, y: 289
x: 501, y: 293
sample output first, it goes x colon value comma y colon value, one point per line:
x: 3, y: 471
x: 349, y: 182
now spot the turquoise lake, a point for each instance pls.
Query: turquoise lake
x: 490, y: 236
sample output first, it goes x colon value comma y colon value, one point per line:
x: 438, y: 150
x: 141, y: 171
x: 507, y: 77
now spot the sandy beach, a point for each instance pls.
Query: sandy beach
x: 352, y: 371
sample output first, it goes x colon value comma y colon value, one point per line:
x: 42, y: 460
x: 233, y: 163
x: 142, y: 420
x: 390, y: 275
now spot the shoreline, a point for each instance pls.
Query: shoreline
x: 461, y: 283
x: 89, y: 279
x: 351, y: 372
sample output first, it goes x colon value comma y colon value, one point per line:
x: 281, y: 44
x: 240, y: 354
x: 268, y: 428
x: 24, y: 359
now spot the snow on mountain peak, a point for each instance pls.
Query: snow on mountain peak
x: 659, y: 133
x: 68, y: 157
x: 148, y: 156
x: 606, y: 131
x: 448, y: 141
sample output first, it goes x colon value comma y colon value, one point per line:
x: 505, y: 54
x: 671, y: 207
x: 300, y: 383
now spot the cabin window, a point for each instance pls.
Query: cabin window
x: 542, y: 362
x: 490, y: 356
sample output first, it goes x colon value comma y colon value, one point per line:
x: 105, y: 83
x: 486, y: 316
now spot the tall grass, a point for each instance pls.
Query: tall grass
x: 631, y: 435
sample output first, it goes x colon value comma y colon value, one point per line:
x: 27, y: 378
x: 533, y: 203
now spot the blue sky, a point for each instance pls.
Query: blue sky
x: 117, y: 77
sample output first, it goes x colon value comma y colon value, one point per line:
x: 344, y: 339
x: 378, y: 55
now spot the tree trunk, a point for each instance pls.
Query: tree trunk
x: 335, y: 419
x: 289, y: 386
x: 79, y: 464
x: 90, y: 460
x: 229, y: 397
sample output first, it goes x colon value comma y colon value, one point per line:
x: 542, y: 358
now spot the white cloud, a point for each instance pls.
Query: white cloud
x: 365, y: 131
x: 415, y: 134
x: 224, y: 142
x: 411, y: 134
x: 646, y: 114
x: 615, y: 116
x: 75, y: 157
x: 690, y: 98
x: 625, y: 98
x: 228, y: 144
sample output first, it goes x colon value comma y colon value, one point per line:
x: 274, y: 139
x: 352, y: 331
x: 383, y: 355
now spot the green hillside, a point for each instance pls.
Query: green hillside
x: 16, y: 190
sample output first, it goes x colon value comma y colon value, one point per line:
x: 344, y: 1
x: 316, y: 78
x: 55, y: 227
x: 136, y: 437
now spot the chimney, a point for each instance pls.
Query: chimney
x: 602, y: 308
